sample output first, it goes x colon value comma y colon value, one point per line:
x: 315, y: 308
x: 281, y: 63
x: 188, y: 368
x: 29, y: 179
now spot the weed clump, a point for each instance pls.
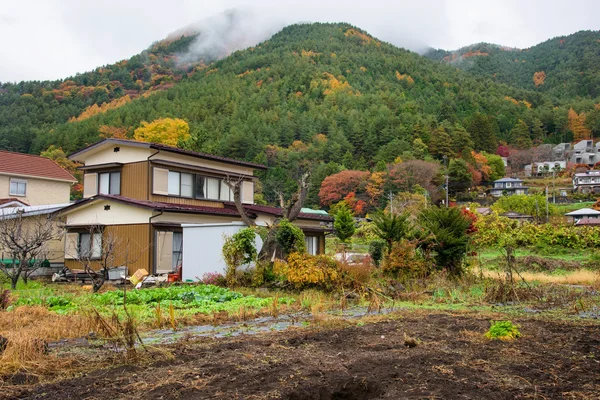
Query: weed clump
x: 503, y: 330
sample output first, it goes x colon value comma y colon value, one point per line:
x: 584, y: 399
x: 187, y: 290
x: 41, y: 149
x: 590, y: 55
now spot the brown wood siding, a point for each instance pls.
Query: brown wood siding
x: 183, y: 200
x: 134, y: 180
x: 321, y: 246
x: 133, y: 248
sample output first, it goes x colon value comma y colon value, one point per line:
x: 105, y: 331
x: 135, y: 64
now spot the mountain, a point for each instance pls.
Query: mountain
x: 308, y: 79
x: 368, y: 99
x: 565, y: 66
x: 29, y: 109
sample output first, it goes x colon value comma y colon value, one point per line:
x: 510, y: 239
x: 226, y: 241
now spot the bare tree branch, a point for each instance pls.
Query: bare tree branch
x: 25, y: 240
x: 235, y: 184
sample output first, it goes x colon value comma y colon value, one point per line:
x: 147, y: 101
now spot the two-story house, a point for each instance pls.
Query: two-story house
x: 508, y: 186
x: 141, y: 193
x: 33, y: 187
x: 32, y: 180
x: 587, y: 182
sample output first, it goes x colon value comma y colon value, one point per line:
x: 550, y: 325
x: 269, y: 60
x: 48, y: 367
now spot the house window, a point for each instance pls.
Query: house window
x: 109, y: 183
x: 177, y: 249
x: 190, y: 185
x: 90, y: 246
x: 180, y: 184
x: 211, y: 188
x: 312, y: 246
x: 18, y: 187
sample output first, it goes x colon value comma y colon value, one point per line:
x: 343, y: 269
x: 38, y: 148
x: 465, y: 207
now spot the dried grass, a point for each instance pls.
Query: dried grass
x: 28, y: 330
x: 577, y: 277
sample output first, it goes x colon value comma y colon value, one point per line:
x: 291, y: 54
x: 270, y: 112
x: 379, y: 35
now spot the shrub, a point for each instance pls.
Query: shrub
x: 238, y: 249
x: 503, y: 330
x: 290, y: 238
x: 404, y: 261
x: 391, y: 227
x: 213, y: 278
x: 303, y: 271
x: 376, y: 248
x: 447, y: 229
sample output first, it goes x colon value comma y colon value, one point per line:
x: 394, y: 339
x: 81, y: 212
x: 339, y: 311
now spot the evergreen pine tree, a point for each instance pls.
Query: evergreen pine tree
x: 344, y: 224
x: 520, y: 136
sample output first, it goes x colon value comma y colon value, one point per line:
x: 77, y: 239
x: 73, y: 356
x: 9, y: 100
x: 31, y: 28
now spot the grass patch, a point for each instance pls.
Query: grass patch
x: 503, y: 330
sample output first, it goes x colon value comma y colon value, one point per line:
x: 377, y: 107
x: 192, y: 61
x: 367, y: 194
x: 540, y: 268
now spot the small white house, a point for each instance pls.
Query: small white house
x: 546, y: 167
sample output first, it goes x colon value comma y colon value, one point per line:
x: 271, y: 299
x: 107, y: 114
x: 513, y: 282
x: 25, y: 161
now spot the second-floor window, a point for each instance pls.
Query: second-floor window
x: 18, y: 187
x: 181, y: 184
x: 189, y: 185
x: 109, y: 183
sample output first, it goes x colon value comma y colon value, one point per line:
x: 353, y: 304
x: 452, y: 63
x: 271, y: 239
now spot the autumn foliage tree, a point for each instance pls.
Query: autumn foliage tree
x: 577, y: 125
x: 58, y: 156
x: 169, y: 131
x: 539, y: 78
x: 337, y: 186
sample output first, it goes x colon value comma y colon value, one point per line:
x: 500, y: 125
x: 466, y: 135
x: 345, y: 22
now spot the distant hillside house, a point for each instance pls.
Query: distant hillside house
x: 517, y: 216
x: 583, y: 213
x: 587, y: 182
x: 546, y: 167
x: 584, y: 152
x: 508, y: 186
x: 33, y: 180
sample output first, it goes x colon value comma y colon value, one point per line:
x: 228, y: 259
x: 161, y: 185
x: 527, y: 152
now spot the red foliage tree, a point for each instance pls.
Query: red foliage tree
x: 337, y: 186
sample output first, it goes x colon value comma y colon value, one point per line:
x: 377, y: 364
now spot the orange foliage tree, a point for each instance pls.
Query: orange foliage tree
x: 169, y: 131
x: 107, y: 132
x: 101, y: 109
x: 539, y: 78
x: 577, y: 125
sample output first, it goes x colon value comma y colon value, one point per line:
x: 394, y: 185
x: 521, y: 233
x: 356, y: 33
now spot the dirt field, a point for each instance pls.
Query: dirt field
x: 452, y: 361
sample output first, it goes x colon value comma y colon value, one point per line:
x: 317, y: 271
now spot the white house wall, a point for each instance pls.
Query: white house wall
x: 119, y: 214
x: 202, y: 248
x: 126, y: 154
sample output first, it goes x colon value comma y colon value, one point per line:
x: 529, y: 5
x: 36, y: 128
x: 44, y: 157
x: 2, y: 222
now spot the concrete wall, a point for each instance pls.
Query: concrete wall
x: 39, y: 191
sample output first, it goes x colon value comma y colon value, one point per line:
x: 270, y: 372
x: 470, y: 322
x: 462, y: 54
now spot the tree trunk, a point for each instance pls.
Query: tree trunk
x: 290, y: 212
x: 269, y: 247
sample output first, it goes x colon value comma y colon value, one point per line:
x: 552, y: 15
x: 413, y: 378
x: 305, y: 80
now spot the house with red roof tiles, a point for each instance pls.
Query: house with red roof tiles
x: 32, y: 180
x: 144, y: 194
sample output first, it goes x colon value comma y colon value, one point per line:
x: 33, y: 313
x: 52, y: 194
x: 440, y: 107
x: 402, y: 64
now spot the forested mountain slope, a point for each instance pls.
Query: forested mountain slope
x: 31, y: 108
x: 319, y: 78
x: 565, y: 66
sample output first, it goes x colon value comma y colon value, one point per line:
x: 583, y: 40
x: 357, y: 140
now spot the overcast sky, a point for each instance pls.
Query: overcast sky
x: 52, y: 39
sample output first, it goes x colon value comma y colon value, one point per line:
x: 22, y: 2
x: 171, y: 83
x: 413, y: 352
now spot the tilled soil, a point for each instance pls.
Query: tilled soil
x: 451, y: 361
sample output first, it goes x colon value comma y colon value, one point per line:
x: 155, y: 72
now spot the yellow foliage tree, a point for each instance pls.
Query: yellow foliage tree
x: 169, y: 131
x: 405, y: 77
x: 577, y: 126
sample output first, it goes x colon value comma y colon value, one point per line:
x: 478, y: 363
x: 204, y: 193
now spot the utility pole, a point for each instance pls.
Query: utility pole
x: 447, y: 188
x: 553, y: 187
x: 547, y: 212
